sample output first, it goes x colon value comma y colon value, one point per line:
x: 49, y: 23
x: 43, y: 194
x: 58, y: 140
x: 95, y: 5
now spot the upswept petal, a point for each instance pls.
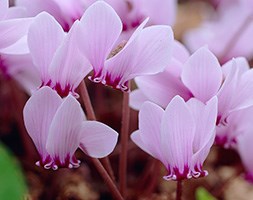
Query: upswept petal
x: 205, y: 116
x: 69, y: 66
x: 241, y: 63
x: 162, y: 87
x: 96, y: 39
x: 4, y: 5
x: 12, y: 30
x: 177, y: 133
x: 227, y: 93
x: 44, y: 37
x: 97, y: 139
x: 138, y: 140
x: 136, y: 99
x: 150, y: 118
x: 64, y: 137
x: 244, y: 146
x: 202, y: 74
x: 180, y: 53
x: 148, y: 53
x: 38, y: 115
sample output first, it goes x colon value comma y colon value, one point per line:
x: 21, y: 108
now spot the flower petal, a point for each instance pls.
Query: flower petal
x: 69, y: 66
x: 150, y: 117
x: 97, y: 139
x: 63, y: 138
x: 148, y: 53
x: 101, y: 27
x: 44, y: 37
x: 39, y: 112
x: 4, y: 5
x: 177, y: 134
x: 136, y: 99
x: 202, y: 74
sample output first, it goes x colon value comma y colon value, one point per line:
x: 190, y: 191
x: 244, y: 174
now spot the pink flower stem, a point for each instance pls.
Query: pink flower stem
x: 179, y: 190
x: 124, y: 141
x: 91, y: 116
x: 108, y: 181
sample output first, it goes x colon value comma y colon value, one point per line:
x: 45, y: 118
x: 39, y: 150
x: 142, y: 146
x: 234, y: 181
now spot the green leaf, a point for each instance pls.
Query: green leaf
x: 203, y: 194
x: 12, y: 182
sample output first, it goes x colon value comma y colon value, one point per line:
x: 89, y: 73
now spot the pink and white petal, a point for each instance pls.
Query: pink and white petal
x: 150, y: 117
x: 16, y: 12
x: 162, y: 87
x: 245, y: 152
x: 4, y: 5
x: 241, y: 63
x: 12, y: 30
x: 18, y: 48
x: 149, y: 53
x: 180, y: 52
x: 96, y: 40
x: 97, y: 139
x: 227, y: 92
x: 39, y: 112
x: 177, y: 134
x: 137, y: 98
x: 64, y: 137
x: 137, y: 139
x: 205, y: 119
x: 44, y: 37
x: 202, y: 74
x: 69, y: 67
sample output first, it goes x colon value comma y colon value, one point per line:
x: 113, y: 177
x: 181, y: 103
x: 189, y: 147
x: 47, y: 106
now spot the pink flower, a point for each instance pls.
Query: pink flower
x: 57, y: 128
x: 55, y: 54
x: 180, y: 137
x: 15, y: 61
x: 66, y: 12
x: 227, y: 33
x: 162, y: 87
x: 148, y: 51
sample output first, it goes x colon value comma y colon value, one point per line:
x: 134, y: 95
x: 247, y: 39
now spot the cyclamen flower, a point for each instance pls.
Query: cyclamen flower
x: 57, y: 127
x: 148, y: 51
x: 55, y: 54
x: 15, y: 60
x: 180, y: 137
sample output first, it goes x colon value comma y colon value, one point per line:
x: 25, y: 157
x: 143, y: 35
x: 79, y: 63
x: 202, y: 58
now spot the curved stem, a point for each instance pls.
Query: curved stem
x: 108, y: 181
x: 91, y: 116
x: 123, y: 142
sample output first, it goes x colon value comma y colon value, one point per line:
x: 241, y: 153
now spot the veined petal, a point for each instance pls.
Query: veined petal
x: 69, y: 66
x: 12, y: 30
x: 162, y: 87
x: 44, y: 37
x: 97, y: 139
x: 136, y: 99
x: 202, y: 74
x: 4, y: 5
x: 101, y: 27
x: 148, y: 53
x: 177, y: 134
x: 180, y: 52
x: 64, y: 137
x: 150, y: 117
x: 39, y: 112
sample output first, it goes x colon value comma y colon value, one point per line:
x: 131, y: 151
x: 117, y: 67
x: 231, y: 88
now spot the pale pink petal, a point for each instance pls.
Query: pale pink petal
x: 69, y: 66
x: 16, y: 12
x: 241, y: 63
x: 205, y: 119
x: 202, y: 74
x: 162, y: 87
x: 136, y: 99
x: 177, y: 134
x: 4, y: 5
x: 39, y: 112
x: 12, y: 30
x: 44, y: 37
x: 180, y: 53
x: 101, y: 27
x: 148, y: 53
x: 97, y: 139
x: 64, y: 137
x: 245, y: 152
x: 150, y: 117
